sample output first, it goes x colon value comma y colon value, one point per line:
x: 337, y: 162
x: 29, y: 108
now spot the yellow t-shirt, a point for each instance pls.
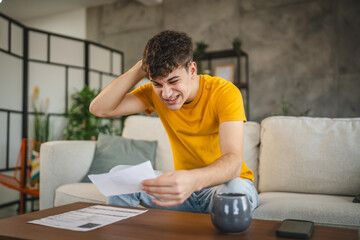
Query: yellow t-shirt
x: 193, y: 130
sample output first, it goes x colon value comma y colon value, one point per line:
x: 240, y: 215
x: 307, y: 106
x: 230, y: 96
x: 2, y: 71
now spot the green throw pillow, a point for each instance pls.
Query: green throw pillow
x: 115, y: 150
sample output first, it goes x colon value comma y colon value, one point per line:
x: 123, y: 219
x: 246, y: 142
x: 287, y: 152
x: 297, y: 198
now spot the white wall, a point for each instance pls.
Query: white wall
x: 71, y: 23
x: 11, y: 85
x: 50, y: 79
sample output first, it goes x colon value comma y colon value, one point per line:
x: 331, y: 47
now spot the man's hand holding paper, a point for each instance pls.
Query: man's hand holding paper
x: 124, y: 181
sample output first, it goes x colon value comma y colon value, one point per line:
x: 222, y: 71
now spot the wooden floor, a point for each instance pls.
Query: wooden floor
x: 8, y: 211
x: 13, y: 209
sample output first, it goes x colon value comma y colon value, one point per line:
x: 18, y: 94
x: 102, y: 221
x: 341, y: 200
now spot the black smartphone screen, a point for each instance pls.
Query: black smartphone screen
x: 295, y: 229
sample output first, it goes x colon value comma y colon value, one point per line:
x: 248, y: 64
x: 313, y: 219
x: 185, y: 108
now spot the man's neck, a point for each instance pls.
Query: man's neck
x: 195, y: 89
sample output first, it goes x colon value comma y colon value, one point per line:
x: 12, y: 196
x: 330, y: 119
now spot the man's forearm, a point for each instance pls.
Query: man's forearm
x: 112, y: 96
x: 176, y: 186
x: 228, y: 166
x: 222, y: 170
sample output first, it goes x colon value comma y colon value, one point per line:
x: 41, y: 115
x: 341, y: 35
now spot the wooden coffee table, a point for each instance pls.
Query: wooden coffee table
x: 154, y: 224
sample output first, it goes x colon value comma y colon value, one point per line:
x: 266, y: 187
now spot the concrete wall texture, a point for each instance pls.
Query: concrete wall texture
x: 305, y: 51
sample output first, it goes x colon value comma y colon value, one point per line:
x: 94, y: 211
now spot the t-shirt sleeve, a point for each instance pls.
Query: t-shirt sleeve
x: 145, y: 94
x: 230, y: 104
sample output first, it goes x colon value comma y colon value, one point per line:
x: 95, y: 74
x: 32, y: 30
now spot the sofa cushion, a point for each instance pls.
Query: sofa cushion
x: 78, y: 192
x: 310, y: 155
x: 251, y: 147
x: 115, y: 150
x: 322, y: 209
x: 151, y: 129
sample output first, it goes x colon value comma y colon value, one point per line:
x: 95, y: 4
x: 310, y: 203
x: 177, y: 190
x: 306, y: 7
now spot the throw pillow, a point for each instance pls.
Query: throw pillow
x: 115, y: 150
x: 34, y: 168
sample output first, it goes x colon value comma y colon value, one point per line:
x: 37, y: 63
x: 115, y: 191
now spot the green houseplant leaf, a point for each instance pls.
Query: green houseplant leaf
x: 82, y: 125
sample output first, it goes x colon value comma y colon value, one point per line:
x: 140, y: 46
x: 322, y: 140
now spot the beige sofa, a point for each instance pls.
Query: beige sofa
x: 305, y: 168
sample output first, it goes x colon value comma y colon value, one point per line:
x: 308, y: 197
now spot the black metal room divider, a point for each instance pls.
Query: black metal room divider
x: 59, y: 63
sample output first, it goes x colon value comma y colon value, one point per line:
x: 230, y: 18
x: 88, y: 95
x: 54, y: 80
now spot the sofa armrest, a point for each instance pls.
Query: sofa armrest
x: 62, y: 162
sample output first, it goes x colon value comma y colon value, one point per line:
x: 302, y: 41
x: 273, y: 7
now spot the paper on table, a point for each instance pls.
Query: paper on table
x: 89, y: 218
x: 124, y: 181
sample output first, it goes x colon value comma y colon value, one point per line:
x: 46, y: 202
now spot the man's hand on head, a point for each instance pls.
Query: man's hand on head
x: 173, y: 188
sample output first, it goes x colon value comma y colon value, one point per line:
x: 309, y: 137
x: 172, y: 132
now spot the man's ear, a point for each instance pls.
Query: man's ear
x: 193, y: 69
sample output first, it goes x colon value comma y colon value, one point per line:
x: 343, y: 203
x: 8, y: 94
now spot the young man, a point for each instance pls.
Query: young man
x: 203, y: 117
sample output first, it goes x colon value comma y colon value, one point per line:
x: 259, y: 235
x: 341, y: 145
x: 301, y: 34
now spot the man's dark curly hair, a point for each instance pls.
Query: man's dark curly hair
x: 165, y: 52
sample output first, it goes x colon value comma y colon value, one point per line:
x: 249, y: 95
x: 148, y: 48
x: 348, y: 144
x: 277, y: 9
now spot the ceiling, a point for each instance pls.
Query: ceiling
x: 29, y: 9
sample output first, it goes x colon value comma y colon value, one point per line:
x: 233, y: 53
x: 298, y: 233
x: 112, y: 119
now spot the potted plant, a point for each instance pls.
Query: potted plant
x: 82, y: 125
x: 40, y: 116
x: 199, y: 54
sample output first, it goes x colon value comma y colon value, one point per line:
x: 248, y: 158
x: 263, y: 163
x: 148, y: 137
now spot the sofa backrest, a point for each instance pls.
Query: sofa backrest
x: 141, y: 127
x: 251, y: 147
x: 310, y: 155
x: 150, y: 128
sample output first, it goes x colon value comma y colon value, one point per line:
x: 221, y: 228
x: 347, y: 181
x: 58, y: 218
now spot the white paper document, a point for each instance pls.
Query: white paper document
x: 89, y: 218
x: 124, y: 181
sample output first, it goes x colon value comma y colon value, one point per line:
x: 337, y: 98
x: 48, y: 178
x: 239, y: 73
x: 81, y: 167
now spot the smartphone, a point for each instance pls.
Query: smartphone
x: 292, y: 228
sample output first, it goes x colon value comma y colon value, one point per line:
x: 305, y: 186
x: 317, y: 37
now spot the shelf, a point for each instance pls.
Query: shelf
x: 223, y: 54
x: 238, y: 81
x: 241, y: 85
